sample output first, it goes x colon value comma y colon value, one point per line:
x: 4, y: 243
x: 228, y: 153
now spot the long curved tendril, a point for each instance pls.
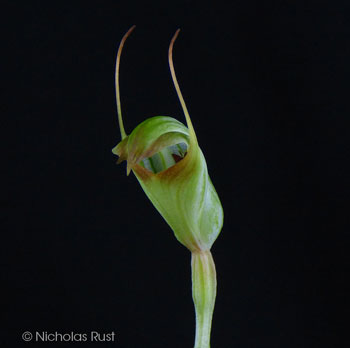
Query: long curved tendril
x: 117, y: 92
x: 193, y: 137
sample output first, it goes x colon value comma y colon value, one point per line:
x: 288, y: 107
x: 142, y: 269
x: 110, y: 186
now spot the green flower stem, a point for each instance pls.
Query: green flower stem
x: 204, y: 293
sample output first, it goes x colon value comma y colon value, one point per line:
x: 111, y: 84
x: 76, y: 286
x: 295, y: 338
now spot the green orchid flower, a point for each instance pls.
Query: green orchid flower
x: 167, y: 161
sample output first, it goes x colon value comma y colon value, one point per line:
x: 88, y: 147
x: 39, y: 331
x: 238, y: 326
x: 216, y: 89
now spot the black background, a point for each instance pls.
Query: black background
x: 266, y: 84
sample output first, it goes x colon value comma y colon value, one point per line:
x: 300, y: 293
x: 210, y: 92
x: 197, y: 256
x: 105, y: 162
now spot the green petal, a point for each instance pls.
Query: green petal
x: 149, y: 138
x: 182, y: 192
x: 186, y: 198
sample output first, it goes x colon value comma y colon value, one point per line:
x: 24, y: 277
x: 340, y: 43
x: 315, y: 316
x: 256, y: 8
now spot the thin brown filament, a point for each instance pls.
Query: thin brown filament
x: 117, y: 92
x: 193, y: 137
